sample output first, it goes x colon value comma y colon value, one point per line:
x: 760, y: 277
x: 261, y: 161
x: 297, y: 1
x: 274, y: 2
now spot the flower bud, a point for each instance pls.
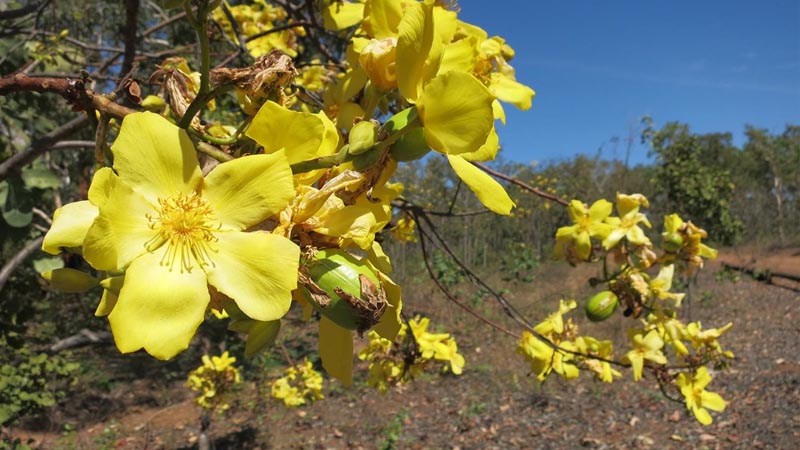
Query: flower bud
x: 378, y: 59
x: 70, y: 280
x: 362, y: 137
x: 672, y: 242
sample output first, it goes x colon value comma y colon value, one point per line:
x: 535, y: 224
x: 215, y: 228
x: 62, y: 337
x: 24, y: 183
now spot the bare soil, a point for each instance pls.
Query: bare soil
x: 494, y: 404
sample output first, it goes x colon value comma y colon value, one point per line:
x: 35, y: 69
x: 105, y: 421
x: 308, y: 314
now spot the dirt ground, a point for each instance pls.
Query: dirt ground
x: 494, y: 404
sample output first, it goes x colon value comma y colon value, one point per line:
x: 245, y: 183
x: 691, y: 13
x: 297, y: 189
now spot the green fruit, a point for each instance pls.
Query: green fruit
x: 410, y: 146
x: 601, y: 306
x: 672, y: 242
x: 344, y: 289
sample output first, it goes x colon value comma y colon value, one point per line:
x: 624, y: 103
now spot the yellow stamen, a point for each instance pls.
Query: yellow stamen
x: 186, y: 224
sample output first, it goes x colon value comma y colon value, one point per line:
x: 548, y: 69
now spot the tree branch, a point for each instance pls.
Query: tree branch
x: 131, y: 15
x: 18, y: 259
x: 41, y: 145
x: 21, y: 12
x: 73, y: 90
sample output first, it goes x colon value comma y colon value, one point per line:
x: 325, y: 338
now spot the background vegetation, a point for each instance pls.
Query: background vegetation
x: 739, y: 194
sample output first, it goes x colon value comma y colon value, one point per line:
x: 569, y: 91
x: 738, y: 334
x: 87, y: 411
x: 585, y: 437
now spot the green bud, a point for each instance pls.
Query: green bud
x: 672, y: 242
x: 362, y: 137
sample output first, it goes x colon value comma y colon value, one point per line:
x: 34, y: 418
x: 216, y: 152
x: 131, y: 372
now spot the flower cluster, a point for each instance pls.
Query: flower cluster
x: 252, y: 21
x: 301, y: 383
x: 392, y: 363
x: 213, y: 379
x: 662, y: 341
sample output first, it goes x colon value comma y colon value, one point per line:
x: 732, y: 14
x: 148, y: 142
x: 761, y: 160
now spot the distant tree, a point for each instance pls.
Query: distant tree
x: 775, y: 165
x: 693, y: 174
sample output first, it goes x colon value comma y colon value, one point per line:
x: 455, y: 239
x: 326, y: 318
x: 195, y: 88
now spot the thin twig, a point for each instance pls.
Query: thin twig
x: 42, y: 215
x: 423, y: 237
x: 521, y: 184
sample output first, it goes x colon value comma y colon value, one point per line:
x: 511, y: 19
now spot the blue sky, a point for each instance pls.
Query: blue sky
x: 598, y: 66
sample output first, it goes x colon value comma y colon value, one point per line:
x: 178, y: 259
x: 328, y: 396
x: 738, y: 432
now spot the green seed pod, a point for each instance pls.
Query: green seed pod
x: 362, y: 137
x: 410, y: 146
x: 601, y: 306
x: 344, y: 289
x: 672, y: 242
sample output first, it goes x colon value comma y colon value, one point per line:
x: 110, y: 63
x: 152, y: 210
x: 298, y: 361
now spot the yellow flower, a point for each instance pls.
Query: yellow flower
x: 602, y: 349
x: 691, y: 249
x: 403, y: 230
x: 575, y: 240
x: 300, y: 383
x: 661, y: 285
x: 698, y: 400
x: 174, y: 233
x: 213, y: 378
x: 255, y: 19
x: 707, y: 339
x: 645, y: 347
x: 670, y: 329
x: 439, y: 346
x: 554, y: 323
x: 627, y: 225
x: 544, y: 359
x: 379, y: 60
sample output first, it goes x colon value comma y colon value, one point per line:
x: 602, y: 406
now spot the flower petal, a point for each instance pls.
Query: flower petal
x: 103, y: 183
x: 511, y: 91
x: 155, y: 157
x: 304, y: 135
x: 111, y: 288
x: 390, y: 322
x: 456, y: 111
x: 247, y: 190
x: 713, y: 401
x: 702, y: 416
x: 336, y: 350
x: 341, y: 15
x: 382, y: 18
x: 158, y: 309
x: 120, y: 232
x: 489, y: 191
x: 257, y: 270
x: 415, y: 43
x: 488, y: 150
x: 70, y: 224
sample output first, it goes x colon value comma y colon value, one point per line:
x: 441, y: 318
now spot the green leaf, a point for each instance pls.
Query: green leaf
x: 47, y: 264
x: 16, y: 206
x: 261, y: 336
x: 40, y: 178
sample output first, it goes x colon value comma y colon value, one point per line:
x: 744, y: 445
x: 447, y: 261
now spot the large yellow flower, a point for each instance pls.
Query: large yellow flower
x: 175, y: 233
